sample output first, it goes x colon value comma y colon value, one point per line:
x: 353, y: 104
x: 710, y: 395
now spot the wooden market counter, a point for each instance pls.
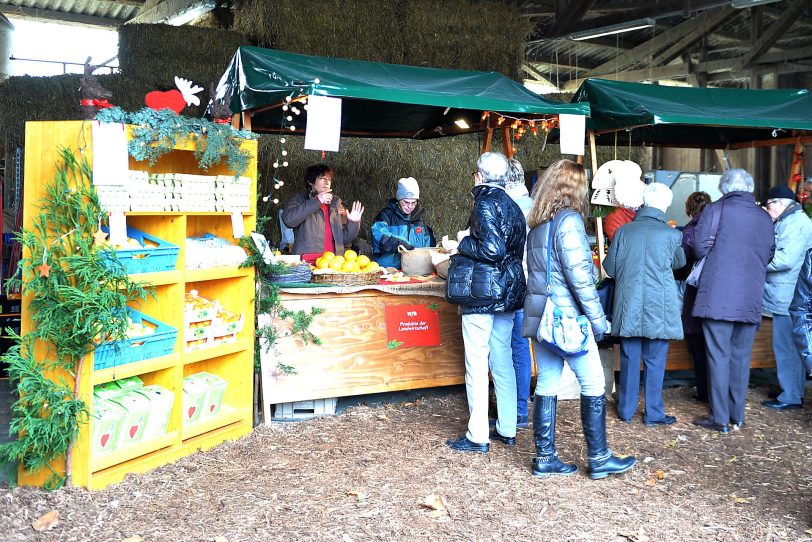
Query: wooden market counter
x: 358, y: 355
x: 679, y: 359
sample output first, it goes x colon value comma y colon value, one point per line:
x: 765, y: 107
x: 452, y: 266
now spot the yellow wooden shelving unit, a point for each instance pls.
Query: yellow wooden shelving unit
x: 232, y: 286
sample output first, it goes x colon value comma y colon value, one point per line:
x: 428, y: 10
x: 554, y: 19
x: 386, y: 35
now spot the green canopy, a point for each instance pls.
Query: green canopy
x: 379, y: 100
x: 692, y: 117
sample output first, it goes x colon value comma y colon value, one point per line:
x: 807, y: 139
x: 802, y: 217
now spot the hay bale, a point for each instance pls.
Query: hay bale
x: 151, y: 55
x: 485, y: 35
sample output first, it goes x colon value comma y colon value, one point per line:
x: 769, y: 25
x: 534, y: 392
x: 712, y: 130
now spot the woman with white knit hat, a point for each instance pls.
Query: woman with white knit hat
x: 401, y: 222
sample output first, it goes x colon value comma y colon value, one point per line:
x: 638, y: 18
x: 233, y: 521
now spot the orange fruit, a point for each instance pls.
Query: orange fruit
x: 350, y: 255
x: 328, y: 255
x: 363, y: 261
x: 339, y: 259
x: 373, y: 266
x: 322, y: 264
x: 347, y: 267
x: 335, y: 265
x: 354, y: 267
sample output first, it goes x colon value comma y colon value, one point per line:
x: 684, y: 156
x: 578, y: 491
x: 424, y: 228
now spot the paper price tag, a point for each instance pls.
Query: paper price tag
x: 237, y: 225
x: 262, y: 245
x: 118, y: 228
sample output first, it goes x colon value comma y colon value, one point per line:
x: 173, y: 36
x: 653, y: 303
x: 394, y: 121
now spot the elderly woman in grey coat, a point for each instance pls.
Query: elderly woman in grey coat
x: 559, y: 202
x: 646, y: 312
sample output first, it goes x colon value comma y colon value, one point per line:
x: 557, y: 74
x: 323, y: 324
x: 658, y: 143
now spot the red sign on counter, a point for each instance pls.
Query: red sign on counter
x: 412, y: 325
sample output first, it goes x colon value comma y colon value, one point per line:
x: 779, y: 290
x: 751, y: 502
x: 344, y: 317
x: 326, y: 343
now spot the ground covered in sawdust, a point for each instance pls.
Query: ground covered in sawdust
x: 384, y: 473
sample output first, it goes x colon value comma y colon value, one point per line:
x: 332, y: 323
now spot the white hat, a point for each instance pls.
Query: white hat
x: 658, y: 195
x: 407, y: 189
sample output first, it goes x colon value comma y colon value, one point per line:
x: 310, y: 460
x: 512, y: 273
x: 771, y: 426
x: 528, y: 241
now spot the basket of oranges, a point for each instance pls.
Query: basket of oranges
x: 348, y: 269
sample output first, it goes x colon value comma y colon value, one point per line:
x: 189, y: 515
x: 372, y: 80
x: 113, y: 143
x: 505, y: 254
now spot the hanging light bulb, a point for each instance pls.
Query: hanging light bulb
x: 289, y: 118
x: 292, y: 128
x: 265, y: 199
x: 282, y: 140
x: 284, y: 108
x: 284, y: 153
x: 275, y: 200
x: 284, y: 164
x: 287, y: 98
x: 281, y: 183
x: 317, y: 80
x: 276, y: 164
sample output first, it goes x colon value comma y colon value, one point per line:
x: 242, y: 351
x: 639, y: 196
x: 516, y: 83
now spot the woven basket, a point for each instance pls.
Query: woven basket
x: 348, y: 279
x: 294, y: 273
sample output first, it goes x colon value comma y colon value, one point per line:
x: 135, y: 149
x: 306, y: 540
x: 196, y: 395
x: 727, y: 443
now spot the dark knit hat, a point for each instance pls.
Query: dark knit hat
x: 781, y: 192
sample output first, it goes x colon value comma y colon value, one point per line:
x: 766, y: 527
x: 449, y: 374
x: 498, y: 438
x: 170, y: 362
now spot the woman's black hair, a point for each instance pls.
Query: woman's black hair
x: 314, y: 172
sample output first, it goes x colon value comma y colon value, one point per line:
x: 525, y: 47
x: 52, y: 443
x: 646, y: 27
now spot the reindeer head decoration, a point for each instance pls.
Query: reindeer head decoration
x: 92, y: 96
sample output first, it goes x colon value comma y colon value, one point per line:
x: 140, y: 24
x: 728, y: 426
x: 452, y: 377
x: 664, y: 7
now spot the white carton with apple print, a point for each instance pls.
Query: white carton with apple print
x: 161, y: 401
x: 137, y: 409
x: 215, y: 391
x: 194, y: 392
x: 106, y: 426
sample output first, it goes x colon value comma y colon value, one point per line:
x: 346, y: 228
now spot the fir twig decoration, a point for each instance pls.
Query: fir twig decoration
x: 158, y: 132
x: 74, y: 306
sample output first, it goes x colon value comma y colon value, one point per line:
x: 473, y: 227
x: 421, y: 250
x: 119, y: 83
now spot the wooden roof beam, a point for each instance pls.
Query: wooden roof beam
x: 703, y: 25
x: 776, y: 30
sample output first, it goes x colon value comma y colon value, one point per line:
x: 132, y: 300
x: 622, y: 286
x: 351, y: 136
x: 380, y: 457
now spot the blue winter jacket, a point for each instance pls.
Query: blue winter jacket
x: 793, y: 236
x: 392, y: 228
x: 732, y: 282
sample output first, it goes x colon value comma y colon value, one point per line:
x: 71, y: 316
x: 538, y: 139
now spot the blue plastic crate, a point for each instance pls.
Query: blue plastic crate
x: 164, y: 257
x: 160, y: 343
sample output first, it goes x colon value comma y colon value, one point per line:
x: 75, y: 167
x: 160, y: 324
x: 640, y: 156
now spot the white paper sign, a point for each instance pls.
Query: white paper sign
x: 118, y: 228
x: 109, y: 153
x: 323, y: 130
x: 237, y: 224
x: 262, y: 245
x: 573, y: 131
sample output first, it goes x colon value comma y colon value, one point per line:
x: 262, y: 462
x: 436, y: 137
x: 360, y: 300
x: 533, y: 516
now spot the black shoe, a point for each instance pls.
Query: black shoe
x: 707, y: 423
x: 778, y: 405
x: 602, y: 462
x: 667, y: 420
x: 507, y: 441
x: 462, y: 444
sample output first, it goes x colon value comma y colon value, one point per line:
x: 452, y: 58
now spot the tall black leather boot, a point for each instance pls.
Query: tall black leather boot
x: 601, y: 461
x: 546, y: 461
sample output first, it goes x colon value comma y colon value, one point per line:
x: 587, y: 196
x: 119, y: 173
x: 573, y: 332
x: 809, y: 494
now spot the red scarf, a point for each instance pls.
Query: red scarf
x: 328, y: 229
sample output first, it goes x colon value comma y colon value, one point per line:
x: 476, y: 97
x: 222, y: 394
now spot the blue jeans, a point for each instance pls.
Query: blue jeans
x: 653, y: 352
x: 487, y: 346
x: 789, y: 367
x: 521, y: 364
x: 587, y: 368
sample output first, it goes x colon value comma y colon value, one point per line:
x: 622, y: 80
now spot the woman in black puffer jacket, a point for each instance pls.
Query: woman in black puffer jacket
x: 559, y: 202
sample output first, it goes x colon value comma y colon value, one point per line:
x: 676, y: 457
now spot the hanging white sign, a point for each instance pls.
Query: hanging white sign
x: 109, y: 153
x: 572, y: 133
x: 323, y: 130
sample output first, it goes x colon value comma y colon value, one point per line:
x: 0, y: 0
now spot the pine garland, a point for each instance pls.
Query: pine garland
x: 158, y: 132
x: 77, y: 294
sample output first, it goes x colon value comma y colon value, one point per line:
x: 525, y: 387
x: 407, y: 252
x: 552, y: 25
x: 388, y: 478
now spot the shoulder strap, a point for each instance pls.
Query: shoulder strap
x: 714, y: 224
x: 559, y: 216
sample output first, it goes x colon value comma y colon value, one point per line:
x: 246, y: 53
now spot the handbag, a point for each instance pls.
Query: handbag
x: 696, y: 271
x: 565, y: 335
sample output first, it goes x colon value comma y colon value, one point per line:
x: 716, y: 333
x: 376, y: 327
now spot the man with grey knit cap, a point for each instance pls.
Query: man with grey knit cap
x: 486, y: 279
x: 400, y: 223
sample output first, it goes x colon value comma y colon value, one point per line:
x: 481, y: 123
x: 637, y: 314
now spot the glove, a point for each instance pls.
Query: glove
x: 599, y: 337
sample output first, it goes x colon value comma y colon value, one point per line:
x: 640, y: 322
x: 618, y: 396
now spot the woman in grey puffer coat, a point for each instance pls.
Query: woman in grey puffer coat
x: 559, y: 202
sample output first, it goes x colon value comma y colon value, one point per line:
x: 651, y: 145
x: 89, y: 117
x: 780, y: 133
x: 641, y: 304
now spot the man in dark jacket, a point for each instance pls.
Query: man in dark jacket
x: 800, y: 311
x: 487, y: 280
x: 729, y: 293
